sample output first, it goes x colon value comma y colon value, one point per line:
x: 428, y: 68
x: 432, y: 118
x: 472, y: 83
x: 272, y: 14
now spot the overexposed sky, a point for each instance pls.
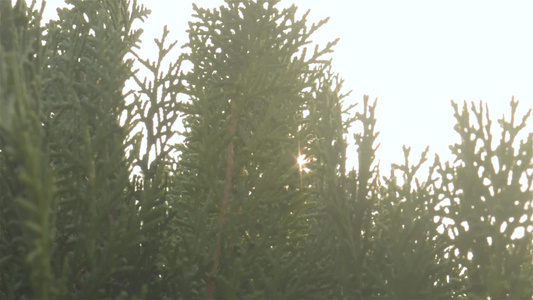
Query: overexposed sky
x: 414, y: 56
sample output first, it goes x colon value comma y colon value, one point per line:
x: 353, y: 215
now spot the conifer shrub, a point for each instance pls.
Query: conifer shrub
x: 98, y: 200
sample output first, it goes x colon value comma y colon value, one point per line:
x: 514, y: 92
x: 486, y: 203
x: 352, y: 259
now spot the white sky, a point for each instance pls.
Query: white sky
x: 414, y: 56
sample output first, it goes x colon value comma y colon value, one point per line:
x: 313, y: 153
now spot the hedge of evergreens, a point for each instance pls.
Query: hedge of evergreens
x: 98, y: 201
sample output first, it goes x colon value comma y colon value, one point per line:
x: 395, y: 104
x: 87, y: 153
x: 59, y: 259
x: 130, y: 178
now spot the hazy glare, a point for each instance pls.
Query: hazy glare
x: 414, y: 56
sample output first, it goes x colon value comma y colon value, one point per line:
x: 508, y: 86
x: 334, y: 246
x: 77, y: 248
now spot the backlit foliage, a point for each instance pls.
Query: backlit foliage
x: 97, y: 200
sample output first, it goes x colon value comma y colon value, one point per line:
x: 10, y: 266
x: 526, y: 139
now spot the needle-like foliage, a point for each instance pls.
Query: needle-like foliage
x: 101, y: 195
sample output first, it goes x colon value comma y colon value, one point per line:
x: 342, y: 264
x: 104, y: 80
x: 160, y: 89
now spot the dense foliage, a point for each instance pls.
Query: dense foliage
x: 97, y: 200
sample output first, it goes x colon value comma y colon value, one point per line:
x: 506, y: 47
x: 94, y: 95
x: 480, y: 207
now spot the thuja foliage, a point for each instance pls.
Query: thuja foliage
x: 72, y: 226
x: 98, y: 200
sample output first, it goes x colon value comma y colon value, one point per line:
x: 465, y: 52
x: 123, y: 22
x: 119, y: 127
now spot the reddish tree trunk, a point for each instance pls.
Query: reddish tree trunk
x: 210, y: 288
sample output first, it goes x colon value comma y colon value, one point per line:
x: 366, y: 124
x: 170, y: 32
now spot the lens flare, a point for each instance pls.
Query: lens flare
x: 302, y: 161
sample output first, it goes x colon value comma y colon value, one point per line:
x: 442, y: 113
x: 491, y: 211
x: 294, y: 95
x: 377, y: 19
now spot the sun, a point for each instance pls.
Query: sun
x: 302, y: 161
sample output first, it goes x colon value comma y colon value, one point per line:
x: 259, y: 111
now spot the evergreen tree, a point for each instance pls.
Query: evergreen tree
x: 97, y: 200
x: 488, y: 193
x: 408, y: 253
x: 26, y: 190
x: 71, y: 226
x: 97, y: 227
x: 249, y: 86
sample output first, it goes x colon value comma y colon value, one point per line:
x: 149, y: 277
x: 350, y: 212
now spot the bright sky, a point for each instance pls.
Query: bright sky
x: 414, y: 56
